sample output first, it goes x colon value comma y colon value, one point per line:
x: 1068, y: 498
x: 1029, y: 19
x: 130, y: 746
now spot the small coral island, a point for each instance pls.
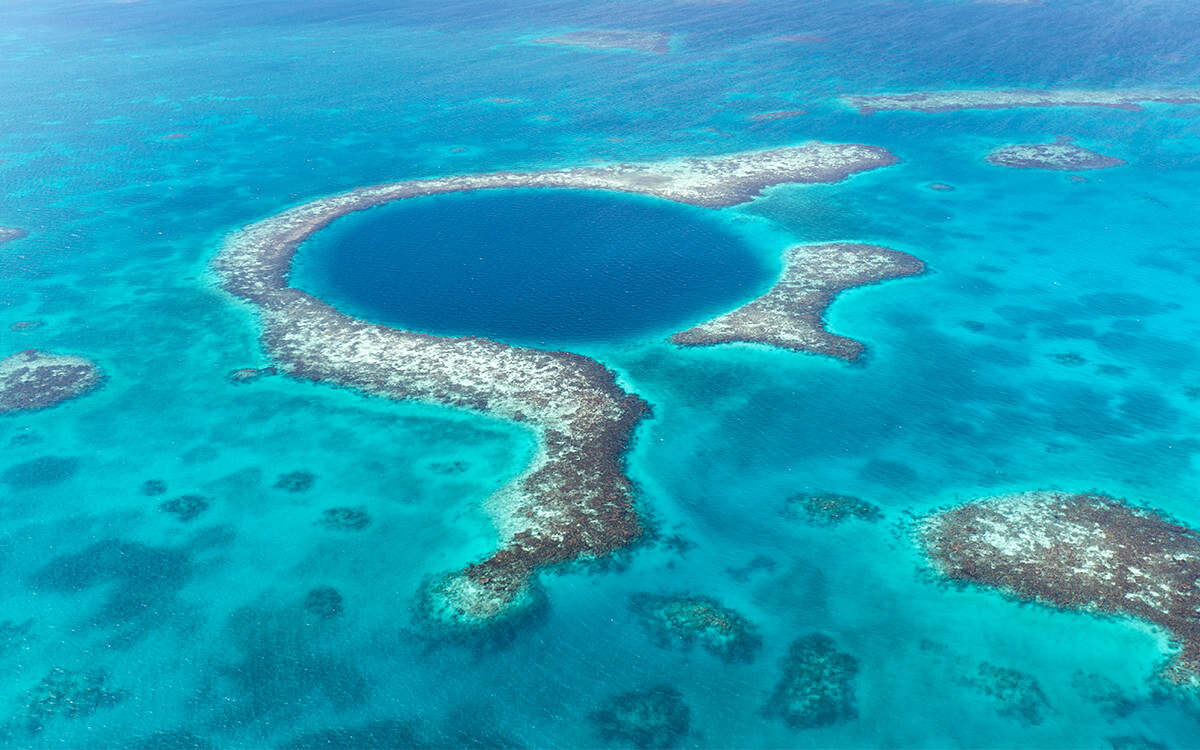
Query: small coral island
x: 1084, y: 552
x: 654, y: 42
x: 950, y: 101
x: 791, y: 315
x: 697, y: 619
x: 1060, y: 155
x: 574, y: 502
x: 32, y: 380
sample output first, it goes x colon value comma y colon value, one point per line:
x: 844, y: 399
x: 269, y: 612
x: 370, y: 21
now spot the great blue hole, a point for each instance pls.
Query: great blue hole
x: 534, y: 267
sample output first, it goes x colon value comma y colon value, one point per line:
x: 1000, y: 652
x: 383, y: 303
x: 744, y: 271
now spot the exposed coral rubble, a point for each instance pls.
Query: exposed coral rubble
x: 1060, y: 155
x: 949, y: 101
x: 32, y: 380
x: 792, y: 314
x: 574, y: 501
x: 1078, y: 551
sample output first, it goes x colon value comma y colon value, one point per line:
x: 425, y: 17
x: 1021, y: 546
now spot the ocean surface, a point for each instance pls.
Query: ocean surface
x: 1052, y: 345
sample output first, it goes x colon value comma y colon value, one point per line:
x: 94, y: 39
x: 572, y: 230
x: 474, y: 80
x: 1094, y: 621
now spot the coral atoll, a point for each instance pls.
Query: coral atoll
x: 1082, y: 552
x: 1061, y: 155
x: 697, y: 619
x: 32, y: 380
x: 792, y: 314
x: 574, y: 501
x: 654, y: 718
x: 817, y: 687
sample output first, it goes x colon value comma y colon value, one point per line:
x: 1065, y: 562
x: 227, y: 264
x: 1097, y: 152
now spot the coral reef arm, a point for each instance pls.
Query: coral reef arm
x: 791, y: 315
x: 950, y: 101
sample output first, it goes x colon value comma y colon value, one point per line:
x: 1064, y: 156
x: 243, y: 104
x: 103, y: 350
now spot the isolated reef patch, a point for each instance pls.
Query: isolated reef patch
x: 698, y: 619
x: 1085, y: 552
x: 8, y: 234
x: 32, y: 380
x: 655, y: 42
x: 574, y: 501
x: 654, y: 718
x: 817, y: 686
x: 950, y: 101
x: 791, y: 315
x: 830, y: 510
x: 1060, y: 155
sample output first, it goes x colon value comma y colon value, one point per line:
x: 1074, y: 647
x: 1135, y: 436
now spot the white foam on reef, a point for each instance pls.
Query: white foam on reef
x: 948, y: 101
x: 574, y: 500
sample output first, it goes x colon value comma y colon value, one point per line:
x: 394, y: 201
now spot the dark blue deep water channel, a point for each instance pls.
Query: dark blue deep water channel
x: 533, y: 266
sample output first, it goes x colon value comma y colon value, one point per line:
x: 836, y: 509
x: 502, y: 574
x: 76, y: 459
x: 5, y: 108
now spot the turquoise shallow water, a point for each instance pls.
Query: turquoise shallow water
x: 1052, y: 345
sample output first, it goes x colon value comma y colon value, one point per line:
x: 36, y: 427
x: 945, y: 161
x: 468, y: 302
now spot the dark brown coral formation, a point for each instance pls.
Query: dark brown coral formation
x: 1082, y: 552
x: 575, y: 501
x: 656, y: 718
x: 829, y: 510
x: 1061, y: 155
x: 32, y: 380
x: 792, y: 314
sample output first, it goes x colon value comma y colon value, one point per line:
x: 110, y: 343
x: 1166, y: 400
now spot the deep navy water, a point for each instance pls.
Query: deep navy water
x: 539, y: 267
x: 1052, y: 345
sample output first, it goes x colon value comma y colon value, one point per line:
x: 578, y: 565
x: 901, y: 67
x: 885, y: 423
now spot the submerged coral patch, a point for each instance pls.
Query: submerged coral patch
x: 828, y: 510
x: 691, y: 620
x: 185, y: 507
x: 32, y: 380
x: 655, y: 42
x: 8, y: 234
x: 1081, y: 552
x: 40, y: 472
x: 654, y: 718
x: 1016, y: 694
x: 324, y: 601
x: 345, y: 519
x: 1062, y: 155
x: 949, y: 101
x: 66, y: 694
x: 817, y: 685
x: 296, y: 481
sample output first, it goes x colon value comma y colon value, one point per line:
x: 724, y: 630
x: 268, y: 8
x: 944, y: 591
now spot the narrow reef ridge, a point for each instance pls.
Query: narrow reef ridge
x: 950, y: 101
x: 792, y: 314
x: 574, y: 501
x: 8, y: 234
x: 654, y: 42
x: 1079, y: 552
x: 32, y: 380
x: 1061, y: 155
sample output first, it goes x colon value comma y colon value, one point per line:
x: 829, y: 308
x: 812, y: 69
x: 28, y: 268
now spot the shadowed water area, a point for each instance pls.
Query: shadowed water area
x: 532, y: 266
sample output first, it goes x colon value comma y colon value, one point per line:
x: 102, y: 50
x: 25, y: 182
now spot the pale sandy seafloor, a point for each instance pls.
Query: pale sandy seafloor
x: 618, y: 40
x: 949, y: 101
x: 792, y: 314
x: 575, y: 500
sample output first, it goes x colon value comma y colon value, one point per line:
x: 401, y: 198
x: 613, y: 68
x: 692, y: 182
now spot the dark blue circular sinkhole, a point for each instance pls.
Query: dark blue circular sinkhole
x: 532, y: 266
